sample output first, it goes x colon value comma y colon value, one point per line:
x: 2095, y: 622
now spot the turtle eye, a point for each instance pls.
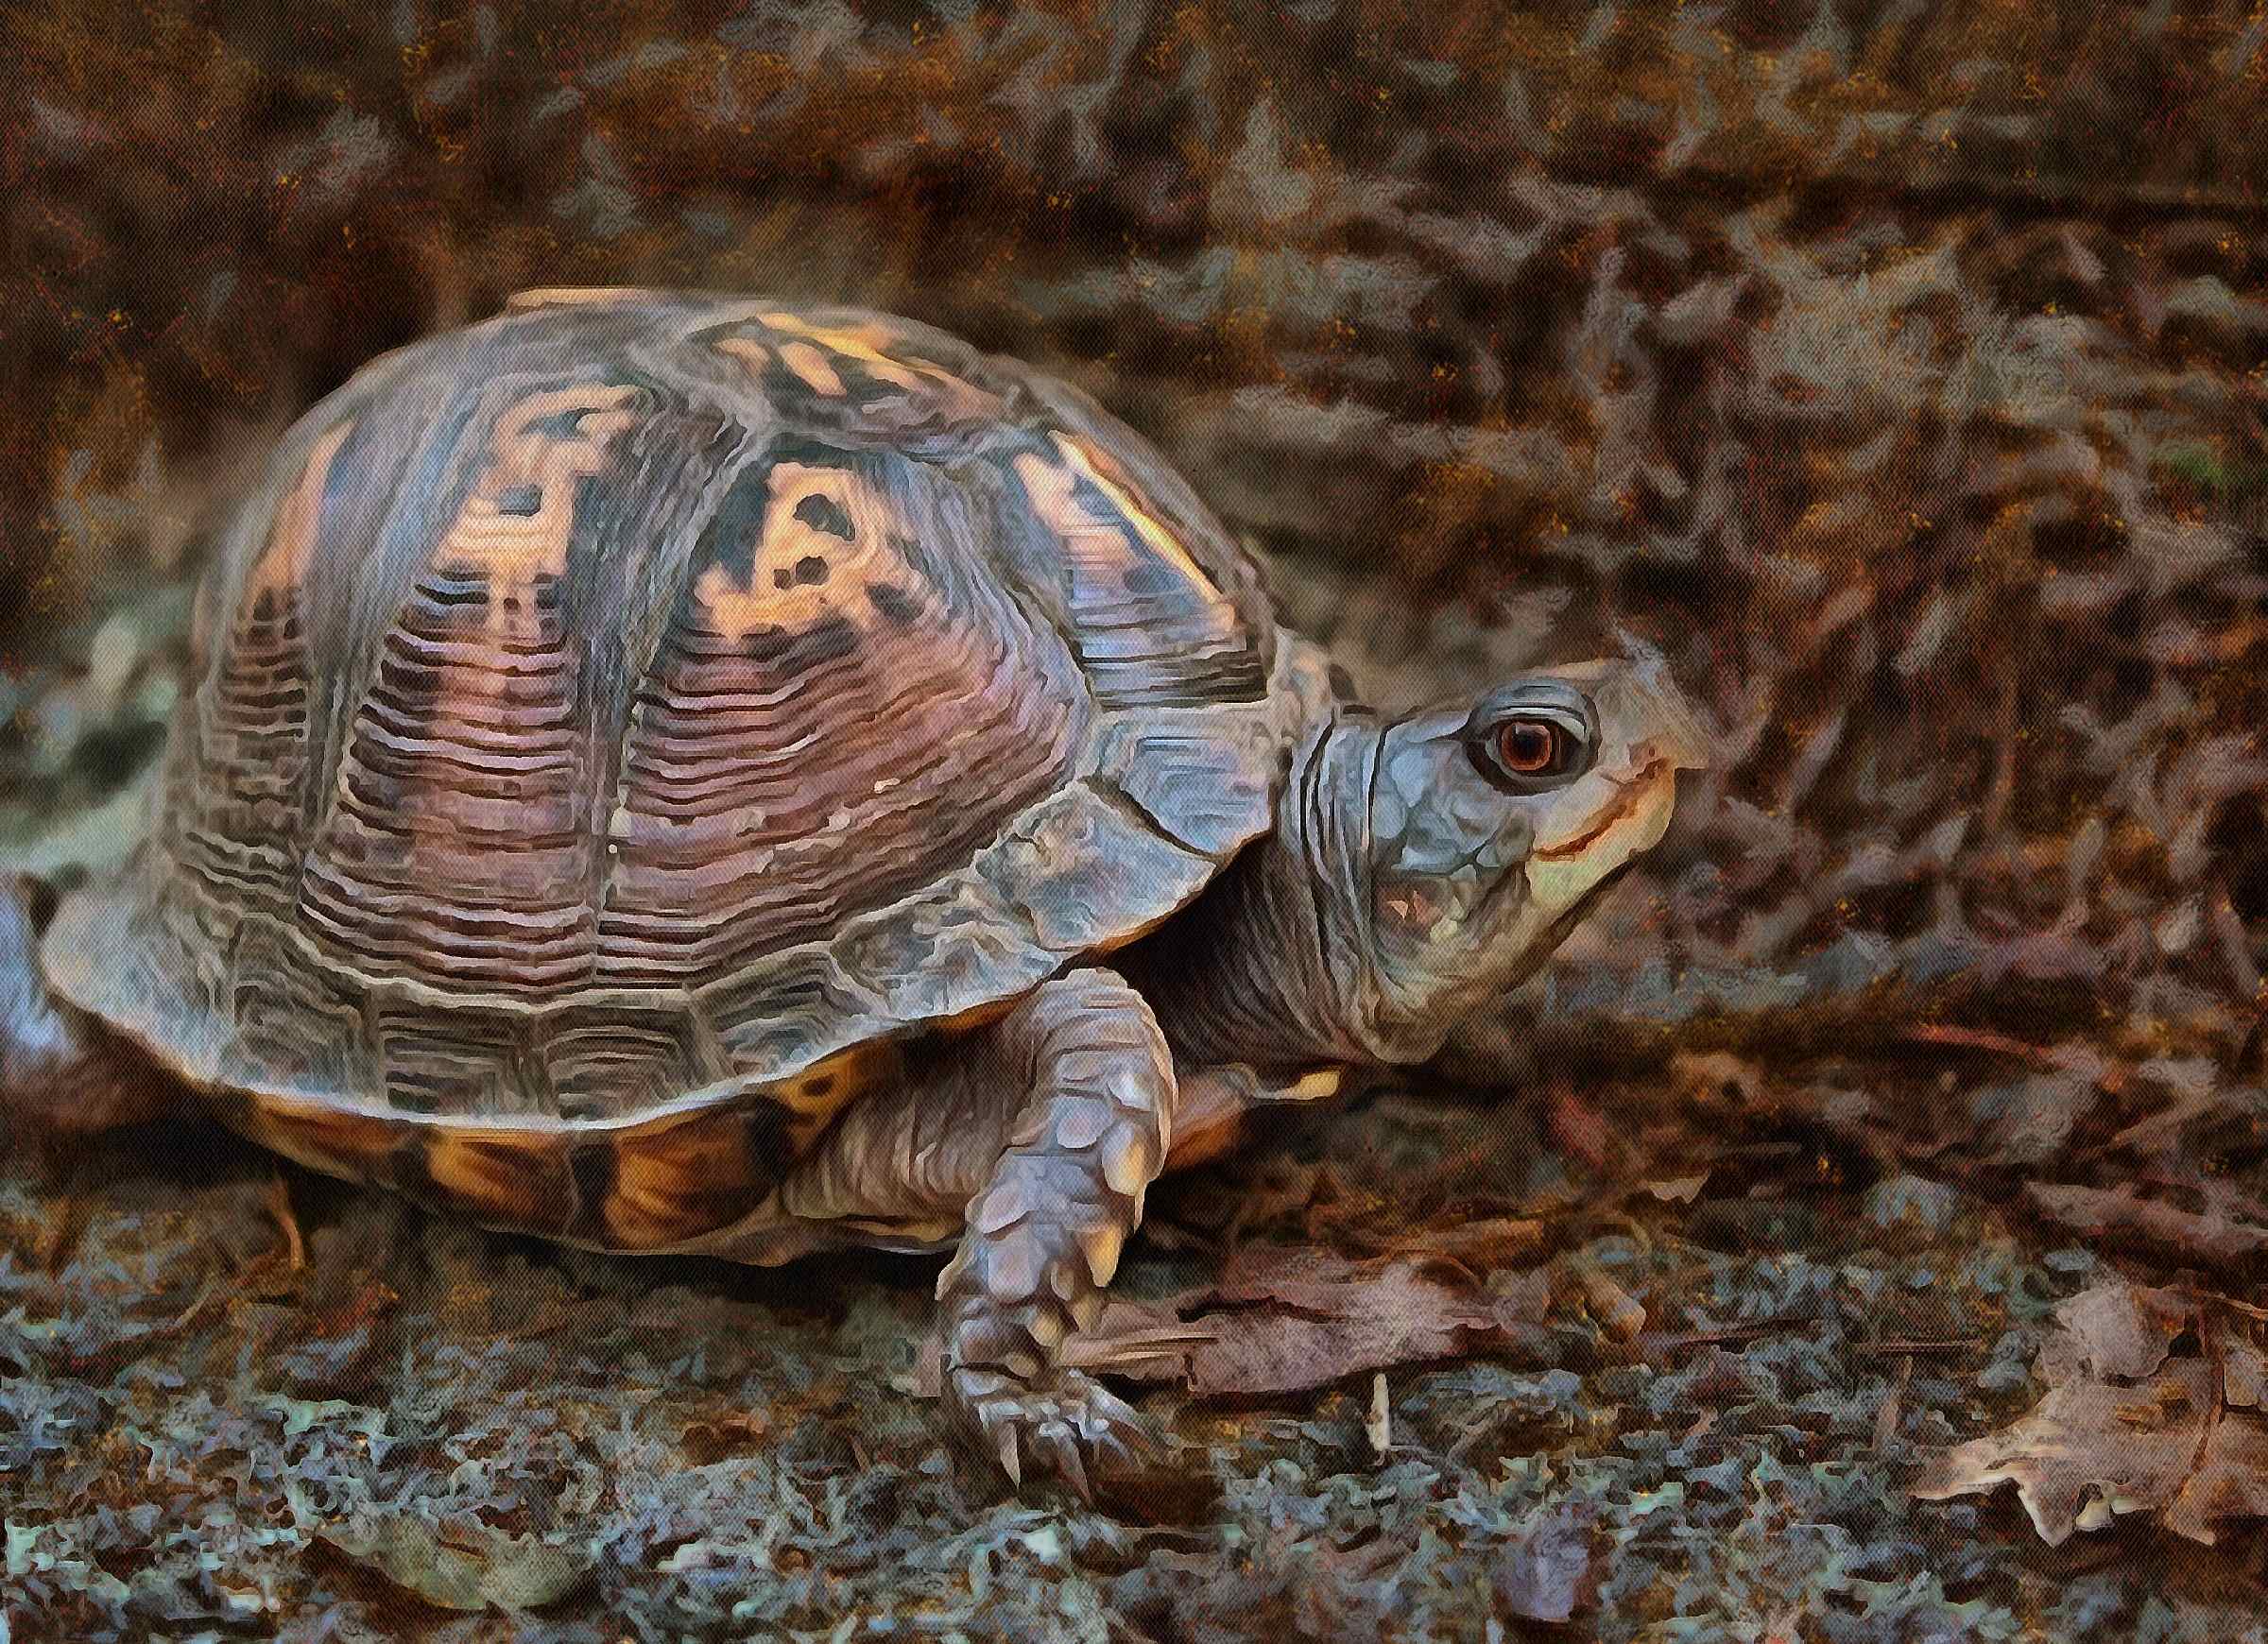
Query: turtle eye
x: 1525, y: 748
x: 1529, y: 748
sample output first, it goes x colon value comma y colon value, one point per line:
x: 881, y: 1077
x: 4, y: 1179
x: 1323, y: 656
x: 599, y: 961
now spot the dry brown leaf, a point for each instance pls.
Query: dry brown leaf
x: 1578, y: 1126
x: 1283, y: 1319
x: 2114, y: 1331
x: 2128, y: 1426
x: 462, y: 1565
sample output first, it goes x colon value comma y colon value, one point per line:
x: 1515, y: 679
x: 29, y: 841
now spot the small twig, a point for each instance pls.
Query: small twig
x: 279, y: 1205
x: 2112, y: 1077
x: 1930, y: 1032
x: 2233, y: 1305
x: 2101, y: 1212
x: 1749, y: 1331
x: 1886, y: 1419
x: 1910, y: 1346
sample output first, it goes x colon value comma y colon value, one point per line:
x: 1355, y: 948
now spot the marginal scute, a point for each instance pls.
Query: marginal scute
x: 1205, y: 778
x: 337, y: 1137
x: 693, y: 1174
x: 1081, y: 860
x: 1151, y: 629
x: 813, y: 1097
x: 504, y: 1178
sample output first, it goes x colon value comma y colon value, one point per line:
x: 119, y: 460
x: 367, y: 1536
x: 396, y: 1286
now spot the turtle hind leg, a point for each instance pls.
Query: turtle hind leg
x: 60, y: 1076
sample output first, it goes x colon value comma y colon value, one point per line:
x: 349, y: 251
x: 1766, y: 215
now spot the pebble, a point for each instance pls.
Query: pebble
x: 110, y: 657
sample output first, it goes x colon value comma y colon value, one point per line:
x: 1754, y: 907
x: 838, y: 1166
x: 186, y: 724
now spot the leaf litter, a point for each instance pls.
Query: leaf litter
x: 2153, y: 1406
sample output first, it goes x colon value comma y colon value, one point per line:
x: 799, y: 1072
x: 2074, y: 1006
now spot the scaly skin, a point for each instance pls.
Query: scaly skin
x: 1399, y: 892
x: 1040, y: 1136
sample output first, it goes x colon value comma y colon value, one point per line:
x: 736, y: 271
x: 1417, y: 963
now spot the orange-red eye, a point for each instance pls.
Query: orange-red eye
x: 1528, y: 746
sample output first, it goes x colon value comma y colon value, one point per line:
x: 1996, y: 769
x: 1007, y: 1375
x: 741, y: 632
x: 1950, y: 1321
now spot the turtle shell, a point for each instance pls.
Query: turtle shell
x: 614, y: 721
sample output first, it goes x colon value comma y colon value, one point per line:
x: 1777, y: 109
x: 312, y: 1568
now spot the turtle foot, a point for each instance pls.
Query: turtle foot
x: 1068, y: 1425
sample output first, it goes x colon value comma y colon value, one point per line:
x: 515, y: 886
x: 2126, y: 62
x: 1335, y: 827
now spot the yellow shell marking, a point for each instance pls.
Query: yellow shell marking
x: 341, y: 1141
x: 516, y: 1179
x: 283, y: 562
x: 572, y: 296
x: 748, y: 350
x: 811, y: 365
x: 1162, y: 541
x: 816, y: 1095
x: 863, y: 343
x: 515, y: 548
x: 684, y: 1177
x: 1097, y: 546
x: 784, y: 589
x: 869, y: 344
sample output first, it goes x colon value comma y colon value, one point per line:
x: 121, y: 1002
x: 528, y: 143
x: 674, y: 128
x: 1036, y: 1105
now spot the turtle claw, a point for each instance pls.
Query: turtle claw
x: 1067, y: 1425
x: 1010, y: 1463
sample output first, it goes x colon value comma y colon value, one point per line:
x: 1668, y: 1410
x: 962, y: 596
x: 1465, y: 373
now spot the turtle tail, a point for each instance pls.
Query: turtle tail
x: 60, y: 1075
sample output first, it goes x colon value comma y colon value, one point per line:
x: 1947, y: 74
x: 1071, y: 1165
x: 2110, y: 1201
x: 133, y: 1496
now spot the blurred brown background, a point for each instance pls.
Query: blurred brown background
x: 1897, y: 368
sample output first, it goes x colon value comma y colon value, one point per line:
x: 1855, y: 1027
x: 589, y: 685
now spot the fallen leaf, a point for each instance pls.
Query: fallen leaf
x: 462, y: 1566
x: 1539, y: 1575
x: 2031, y: 1121
x: 1578, y: 1126
x: 2128, y: 1425
x: 2113, y: 1331
x: 1285, y: 1319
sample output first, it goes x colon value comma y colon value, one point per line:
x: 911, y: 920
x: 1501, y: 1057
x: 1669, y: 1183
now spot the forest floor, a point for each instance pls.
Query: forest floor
x: 1599, y: 1331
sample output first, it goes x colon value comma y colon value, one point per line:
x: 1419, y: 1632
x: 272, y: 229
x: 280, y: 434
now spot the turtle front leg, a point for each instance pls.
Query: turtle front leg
x: 1090, y: 1134
x: 1042, y: 1131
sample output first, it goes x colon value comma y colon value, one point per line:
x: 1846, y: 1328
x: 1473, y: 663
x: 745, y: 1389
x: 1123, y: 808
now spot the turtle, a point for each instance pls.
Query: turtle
x: 674, y: 772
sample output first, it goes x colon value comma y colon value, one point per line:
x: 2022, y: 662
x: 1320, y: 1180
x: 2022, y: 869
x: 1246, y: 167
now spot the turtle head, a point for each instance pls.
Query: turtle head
x: 1458, y: 845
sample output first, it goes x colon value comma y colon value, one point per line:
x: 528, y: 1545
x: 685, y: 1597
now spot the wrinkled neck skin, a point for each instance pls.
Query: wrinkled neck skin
x: 1274, y: 965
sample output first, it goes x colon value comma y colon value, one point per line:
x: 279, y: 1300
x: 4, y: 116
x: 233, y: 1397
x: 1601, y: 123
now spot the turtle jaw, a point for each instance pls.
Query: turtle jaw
x: 1595, y: 831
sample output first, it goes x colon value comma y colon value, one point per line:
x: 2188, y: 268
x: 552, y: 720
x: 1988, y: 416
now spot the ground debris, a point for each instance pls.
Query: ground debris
x: 460, y: 1565
x: 2132, y: 1422
x: 2124, y: 1214
x: 1287, y: 1319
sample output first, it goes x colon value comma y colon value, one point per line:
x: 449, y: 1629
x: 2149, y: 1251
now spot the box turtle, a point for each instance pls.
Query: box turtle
x: 673, y: 772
